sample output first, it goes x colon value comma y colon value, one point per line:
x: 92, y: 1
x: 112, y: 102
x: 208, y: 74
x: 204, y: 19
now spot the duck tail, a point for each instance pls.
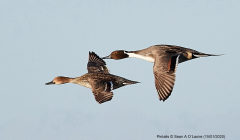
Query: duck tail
x: 198, y: 54
x: 120, y: 81
x: 129, y: 82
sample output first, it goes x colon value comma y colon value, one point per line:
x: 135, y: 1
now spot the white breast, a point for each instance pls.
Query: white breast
x: 144, y: 57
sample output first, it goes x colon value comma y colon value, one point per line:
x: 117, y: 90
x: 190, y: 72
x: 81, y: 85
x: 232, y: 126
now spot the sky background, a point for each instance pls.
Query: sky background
x: 40, y: 40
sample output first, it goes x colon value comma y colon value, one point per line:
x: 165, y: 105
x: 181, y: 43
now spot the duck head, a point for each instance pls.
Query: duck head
x: 59, y: 80
x: 119, y: 54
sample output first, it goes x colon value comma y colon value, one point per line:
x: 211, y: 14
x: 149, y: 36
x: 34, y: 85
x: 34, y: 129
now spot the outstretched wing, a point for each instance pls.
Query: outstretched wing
x: 96, y: 64
x: 102, y: 97
x: 101, y: 90
x: 164, y: 71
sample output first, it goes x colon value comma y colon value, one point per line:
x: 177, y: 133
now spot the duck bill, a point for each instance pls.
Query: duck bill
x: 107, y: 57
x: 50, y: 83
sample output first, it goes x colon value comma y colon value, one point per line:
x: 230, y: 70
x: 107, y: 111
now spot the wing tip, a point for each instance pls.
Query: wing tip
x: 105, y: 98
x: 93, y: 57
x: 163, y: 99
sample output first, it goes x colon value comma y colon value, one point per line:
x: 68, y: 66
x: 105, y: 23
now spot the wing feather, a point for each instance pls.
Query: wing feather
x: 102, y: 97
x: 96, y: 64
x: 164, y: 73
x: 101, y: 90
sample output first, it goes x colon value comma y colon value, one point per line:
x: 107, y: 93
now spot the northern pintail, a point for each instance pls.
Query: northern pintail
x: 165, y: 59
x: 98, y: 79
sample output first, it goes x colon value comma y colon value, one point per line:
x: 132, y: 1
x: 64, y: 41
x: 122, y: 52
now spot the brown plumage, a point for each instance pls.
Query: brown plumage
x: 96, y: 64
x: 98, y: 79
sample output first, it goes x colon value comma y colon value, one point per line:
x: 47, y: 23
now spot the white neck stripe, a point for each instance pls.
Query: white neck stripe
x: 147, y: 58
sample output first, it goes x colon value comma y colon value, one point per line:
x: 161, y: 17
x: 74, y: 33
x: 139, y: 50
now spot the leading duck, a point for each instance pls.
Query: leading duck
x: 165, y: 59
x: 98, y: 79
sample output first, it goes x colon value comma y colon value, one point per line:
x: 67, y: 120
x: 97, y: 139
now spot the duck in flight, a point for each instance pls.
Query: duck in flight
x: 98, y: 79
x: 165, y: 59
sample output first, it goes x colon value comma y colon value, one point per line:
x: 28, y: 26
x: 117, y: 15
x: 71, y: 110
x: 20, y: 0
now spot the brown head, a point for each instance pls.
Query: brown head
x: 59, y: 80
x: 119, y: 54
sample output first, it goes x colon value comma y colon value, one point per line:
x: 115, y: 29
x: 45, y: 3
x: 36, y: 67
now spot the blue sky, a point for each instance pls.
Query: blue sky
x: 44, y: 39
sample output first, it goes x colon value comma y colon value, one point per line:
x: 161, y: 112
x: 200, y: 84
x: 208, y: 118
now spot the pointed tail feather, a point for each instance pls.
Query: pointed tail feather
x: 205, y: 55
x: 130, y: 82
x: 122, y: 82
